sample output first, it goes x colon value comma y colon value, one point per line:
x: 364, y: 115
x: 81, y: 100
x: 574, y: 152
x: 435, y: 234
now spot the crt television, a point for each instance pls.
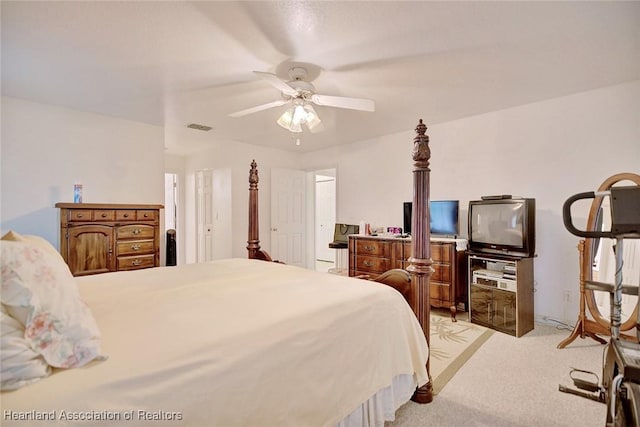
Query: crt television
x: 443, y: 217
x: 503, y: 226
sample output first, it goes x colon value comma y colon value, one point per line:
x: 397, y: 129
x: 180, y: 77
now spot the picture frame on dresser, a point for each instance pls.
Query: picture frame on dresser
x: 102, y: 237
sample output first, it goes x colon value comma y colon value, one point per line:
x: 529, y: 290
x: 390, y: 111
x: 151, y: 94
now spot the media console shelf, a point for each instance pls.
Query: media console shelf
x: 501, y: 293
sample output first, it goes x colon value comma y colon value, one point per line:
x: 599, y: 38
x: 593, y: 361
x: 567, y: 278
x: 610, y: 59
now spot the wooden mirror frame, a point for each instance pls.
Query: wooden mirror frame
x: 599, y: 324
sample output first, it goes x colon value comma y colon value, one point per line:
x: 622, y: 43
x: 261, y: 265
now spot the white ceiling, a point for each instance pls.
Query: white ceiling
x: 175, y: 63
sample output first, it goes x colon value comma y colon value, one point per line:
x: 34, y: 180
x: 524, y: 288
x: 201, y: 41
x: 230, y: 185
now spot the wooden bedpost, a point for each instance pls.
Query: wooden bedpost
x: 253, y: 244
x: 420, y: 261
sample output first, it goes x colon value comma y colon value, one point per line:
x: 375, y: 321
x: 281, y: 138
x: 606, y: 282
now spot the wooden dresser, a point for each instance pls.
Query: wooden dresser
x: 98, y: 238
x: 373, y: 255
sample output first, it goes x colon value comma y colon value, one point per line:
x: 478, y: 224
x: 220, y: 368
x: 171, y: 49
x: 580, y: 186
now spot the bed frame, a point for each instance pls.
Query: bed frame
x: 412, y: 283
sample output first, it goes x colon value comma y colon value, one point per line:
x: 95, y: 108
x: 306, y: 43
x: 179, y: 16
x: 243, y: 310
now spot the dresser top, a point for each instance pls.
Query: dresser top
x: 105, y: 206
x: 461, y: 244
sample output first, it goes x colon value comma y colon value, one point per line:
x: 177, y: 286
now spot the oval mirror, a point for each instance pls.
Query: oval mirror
x: 599, y: 259
x: 597, y: 263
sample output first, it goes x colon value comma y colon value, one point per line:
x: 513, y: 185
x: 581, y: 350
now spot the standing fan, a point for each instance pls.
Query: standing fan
x: 301, y: 94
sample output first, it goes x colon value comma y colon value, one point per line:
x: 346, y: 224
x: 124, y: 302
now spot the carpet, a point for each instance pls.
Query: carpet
x: 451, y: 345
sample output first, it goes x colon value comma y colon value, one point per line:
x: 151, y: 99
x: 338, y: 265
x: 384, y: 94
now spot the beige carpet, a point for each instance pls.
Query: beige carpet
x: 513, y: 382
x: 452, y: 344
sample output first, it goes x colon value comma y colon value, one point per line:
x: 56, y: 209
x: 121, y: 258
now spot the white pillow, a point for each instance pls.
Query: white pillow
x: 20, y: 365
x: 39, y: 291
x: 41, y: 242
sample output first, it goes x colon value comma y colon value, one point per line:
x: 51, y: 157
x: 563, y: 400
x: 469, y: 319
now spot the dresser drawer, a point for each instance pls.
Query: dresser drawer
x: 372, y: 247
x: 132, y: 247
x: 440, y: 253
x: 372, y: 264
x: 104, y: 215
x: 125, y: 215
x: 136, y: 262
x: 439, y: 294
x: 146, y: 215
x: 441, y: 272
x: 136, y: 231
x: 80, y: 215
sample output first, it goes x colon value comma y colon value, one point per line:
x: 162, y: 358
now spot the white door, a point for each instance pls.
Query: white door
x: 325, y: 217
x: 288, y: 212
x: 204, y: 215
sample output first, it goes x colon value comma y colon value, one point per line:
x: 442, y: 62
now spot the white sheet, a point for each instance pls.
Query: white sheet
x: 231, y: 343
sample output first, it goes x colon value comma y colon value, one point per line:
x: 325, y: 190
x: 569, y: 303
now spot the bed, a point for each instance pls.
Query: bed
x: 237, y: 342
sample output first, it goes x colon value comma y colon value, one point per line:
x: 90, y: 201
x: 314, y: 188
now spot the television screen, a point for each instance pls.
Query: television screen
x: 444, y: 217
x: 406, y: 217
x: 498, y: 224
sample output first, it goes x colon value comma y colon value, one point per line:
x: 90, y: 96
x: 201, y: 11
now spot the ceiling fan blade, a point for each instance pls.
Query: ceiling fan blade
x: 342, y: 102
x: 259, y: 108
x: 276, y: 82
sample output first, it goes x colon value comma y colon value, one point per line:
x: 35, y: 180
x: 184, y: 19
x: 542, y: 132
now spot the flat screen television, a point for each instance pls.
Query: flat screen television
x: 443, y: 217
x: 503, y: 226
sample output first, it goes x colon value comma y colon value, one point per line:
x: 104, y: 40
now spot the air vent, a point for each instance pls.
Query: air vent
x: 199, y: 127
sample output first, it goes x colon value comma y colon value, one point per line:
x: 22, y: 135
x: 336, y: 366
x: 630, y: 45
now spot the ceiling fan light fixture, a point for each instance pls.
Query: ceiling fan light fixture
x: 312, y: 118
x: 286, y: 120
x: 301, y: 112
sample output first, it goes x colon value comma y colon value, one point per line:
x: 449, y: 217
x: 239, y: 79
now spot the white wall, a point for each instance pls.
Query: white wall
x: 547, y: 150
x: 47, y: 149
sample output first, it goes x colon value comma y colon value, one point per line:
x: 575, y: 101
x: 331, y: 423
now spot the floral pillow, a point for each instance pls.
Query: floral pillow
x: 34, y: 240
x: 39, y: 291
x: 20, y: 364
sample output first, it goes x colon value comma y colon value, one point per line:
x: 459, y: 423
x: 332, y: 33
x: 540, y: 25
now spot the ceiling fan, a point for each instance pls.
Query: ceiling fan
x: 301, y: 94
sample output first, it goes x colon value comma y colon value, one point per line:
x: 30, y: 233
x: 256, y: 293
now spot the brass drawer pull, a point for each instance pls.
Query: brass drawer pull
x: 135, y: 247
x: 136, y: 230
x: 79, y: 215
x: 369, y: 248
x: 368, y: 263
x: 136, y: 262
x: 104, y: 215
x: 126, y: 215
x: 146, y: 215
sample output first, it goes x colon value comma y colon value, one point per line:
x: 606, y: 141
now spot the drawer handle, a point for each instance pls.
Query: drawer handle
x: 104, y: 215
x: 136, y: 262
x: 369, y: 248
x: 135, y: 247
x: 79, y: 215
x: 126, y: 215
x: 146, y: 215
x: 136, y: 230
x: 368, y: 264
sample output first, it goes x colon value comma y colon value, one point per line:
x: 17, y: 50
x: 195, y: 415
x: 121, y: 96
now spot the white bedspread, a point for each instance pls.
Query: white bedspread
x: 230, y: 343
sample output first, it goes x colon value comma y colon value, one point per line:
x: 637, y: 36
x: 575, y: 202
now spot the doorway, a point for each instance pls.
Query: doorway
x: 170, y: 255
x: 325, y: 218
x: 170, y: 201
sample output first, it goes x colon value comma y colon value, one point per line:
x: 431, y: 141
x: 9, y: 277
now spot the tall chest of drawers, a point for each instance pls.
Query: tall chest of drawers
x: 373, y: 255
x: 98, y: 238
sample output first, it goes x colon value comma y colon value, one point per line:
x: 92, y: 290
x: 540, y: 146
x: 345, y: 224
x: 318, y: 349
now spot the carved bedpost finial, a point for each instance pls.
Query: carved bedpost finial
x: 253, y: 175
x: 421, y: 151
